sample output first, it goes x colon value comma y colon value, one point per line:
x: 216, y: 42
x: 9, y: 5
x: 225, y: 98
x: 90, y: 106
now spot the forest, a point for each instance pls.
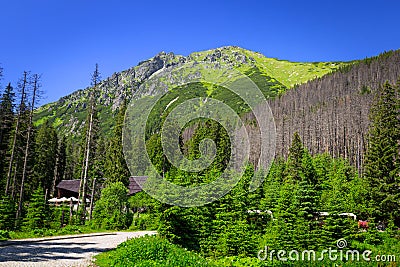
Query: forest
x: 335, y: 177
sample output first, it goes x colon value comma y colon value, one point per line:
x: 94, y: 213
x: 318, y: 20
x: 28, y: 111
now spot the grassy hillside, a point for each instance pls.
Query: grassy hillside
x: 272, y: 76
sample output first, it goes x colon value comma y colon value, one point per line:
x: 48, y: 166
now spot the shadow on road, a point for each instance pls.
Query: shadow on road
x: 36, y: 251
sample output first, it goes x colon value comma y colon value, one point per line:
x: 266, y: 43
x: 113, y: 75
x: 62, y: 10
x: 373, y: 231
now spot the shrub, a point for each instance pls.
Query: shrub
x: 70, y: 229
x: 239, y: 261
x: 111, y: 210
x: 150, y: 251
x: 145, y: 221
x: 4, y: 235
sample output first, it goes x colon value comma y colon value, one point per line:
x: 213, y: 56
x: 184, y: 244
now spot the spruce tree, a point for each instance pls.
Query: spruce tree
x: 297, y: 204
x: 115, y: 167
x: 295, y: 159
x: 7, y: 213
x: 6, y: 123
x: 46, y: 143
x: 381, y: 170
x: 37, y: 211
x: 61, y: 161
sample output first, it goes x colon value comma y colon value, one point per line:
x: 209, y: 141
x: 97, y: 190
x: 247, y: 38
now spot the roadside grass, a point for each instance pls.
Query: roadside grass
x: 157, y: 251
x: 67, y: 230
x: 150, y: 251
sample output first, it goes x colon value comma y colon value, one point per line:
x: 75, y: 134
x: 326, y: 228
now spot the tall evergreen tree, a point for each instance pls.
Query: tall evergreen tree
x: 46, y: 143
x: 115, y: 169
x: 382, y: 164
x: 37, y: 211
x: 6, y: 123
x: 73, y: 160
x: 61, y: 161
x: 7, y: 213
x: 295, y: 159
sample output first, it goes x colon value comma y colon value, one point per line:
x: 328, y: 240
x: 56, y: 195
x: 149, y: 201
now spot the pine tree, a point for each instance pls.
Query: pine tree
x: 6, y: 123
x: 382, y: 157
x: 115, y: 167
x: 307, y: 207
x: 7, y: 213
x: 295, y: 159
x: 37, y: 211
x: 46, y: 142
x: 61, y: 161
x: 298, y: 203
x: 72, y: 152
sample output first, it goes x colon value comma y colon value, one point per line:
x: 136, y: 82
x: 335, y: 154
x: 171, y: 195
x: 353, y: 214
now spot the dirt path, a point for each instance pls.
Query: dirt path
x: 62, y: 250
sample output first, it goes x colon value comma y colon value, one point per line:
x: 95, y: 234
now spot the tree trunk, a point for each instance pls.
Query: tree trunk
x: 24, y: 169
x: 85, y: 173
x: 91, y: 199
x: 24, y: 83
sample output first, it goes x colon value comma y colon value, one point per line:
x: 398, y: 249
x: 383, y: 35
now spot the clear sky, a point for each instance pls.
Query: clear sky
x: 63, y: 39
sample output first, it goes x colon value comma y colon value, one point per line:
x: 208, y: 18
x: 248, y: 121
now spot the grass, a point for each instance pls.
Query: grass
x: 287, y: 73
x: 67, y: 230
x: 150, y: 251
x: 156, y: 251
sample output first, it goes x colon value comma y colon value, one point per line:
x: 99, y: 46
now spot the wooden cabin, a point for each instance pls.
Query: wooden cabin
x: 133, y: 186
x: 70, y: 188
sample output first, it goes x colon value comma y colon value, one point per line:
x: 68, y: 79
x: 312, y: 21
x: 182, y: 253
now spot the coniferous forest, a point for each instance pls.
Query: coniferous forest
x: 335, y: 175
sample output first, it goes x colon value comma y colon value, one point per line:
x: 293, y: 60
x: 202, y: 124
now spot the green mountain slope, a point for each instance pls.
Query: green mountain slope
x: 273, y: 76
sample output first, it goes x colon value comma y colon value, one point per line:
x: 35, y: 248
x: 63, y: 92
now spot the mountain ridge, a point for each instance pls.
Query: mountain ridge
x: 68, y: 113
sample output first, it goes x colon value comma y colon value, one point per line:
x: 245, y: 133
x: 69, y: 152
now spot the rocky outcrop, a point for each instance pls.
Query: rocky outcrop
x: 113, y: 90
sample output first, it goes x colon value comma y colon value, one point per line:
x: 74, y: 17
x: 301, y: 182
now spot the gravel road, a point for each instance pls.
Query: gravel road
x: 61, y: 251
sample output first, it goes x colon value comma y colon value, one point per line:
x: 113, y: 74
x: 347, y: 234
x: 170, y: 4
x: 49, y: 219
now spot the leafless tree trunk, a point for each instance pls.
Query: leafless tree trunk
x: 92, y: 199
x: 36, y: 85
x: 16, y: 133
x: 95, y: 81
x: 85, y: 171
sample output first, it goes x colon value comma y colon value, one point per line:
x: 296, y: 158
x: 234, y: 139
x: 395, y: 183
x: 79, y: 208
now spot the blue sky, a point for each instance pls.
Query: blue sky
x: 63, y: 39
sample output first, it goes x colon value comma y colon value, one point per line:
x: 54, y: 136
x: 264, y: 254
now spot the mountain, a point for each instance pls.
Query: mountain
x: 273, y: 76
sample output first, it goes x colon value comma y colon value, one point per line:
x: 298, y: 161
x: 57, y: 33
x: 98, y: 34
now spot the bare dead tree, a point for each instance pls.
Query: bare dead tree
x: 89, y: 136
x: 35, y: 94
x: 23, y: 87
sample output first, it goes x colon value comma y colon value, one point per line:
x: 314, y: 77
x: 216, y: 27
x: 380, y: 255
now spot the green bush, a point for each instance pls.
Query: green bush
x: 238, y: 261
x: 145, y: 221
x: 70, y: 229
x: 4, y: 235
x: 150, y: 251
x: 111, y: 211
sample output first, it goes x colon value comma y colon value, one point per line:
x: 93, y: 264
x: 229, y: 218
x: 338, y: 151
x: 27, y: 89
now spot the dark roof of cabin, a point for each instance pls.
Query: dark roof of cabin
x: 70, y: 185
x: 73, y: 185
x: 134, y: 187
